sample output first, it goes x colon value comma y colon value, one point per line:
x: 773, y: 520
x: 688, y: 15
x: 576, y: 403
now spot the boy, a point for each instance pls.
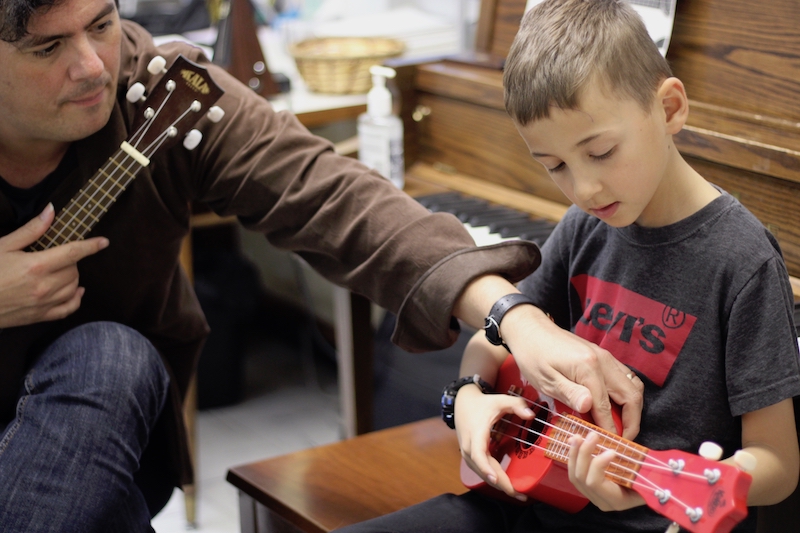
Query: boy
x: 99, y: 338
x: 668, y: 272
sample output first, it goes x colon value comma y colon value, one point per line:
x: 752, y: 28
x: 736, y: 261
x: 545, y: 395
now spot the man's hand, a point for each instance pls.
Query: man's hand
x: 40, y: 286
x: 573, y: 370
x: 556, y: 362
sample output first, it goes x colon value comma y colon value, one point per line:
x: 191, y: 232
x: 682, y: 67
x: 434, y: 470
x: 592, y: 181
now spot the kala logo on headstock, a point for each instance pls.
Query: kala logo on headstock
x: 168, y: 113
x: 195, y: 81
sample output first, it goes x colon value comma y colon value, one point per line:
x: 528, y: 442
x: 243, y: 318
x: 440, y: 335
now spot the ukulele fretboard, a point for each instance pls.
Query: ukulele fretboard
x: 628, y: 458
x: 91, y: 202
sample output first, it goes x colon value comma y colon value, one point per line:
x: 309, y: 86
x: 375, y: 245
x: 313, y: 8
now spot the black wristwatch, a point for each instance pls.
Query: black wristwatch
x: 449, y: 396
x: 498, y: 311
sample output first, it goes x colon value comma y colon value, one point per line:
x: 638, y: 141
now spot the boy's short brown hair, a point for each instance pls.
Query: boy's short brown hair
x: 563, y: 45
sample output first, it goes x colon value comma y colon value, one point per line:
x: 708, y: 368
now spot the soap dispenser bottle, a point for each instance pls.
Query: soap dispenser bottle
x: 380, y: 133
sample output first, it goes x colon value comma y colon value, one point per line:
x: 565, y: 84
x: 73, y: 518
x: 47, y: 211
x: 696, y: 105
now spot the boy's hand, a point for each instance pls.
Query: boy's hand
x: 587, y: 471
x: 573, y: 370
x: 40, y: 286
x: 475, y: 415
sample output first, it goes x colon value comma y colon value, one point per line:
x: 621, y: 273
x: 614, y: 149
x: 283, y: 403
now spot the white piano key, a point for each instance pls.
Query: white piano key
x: 482, y: 237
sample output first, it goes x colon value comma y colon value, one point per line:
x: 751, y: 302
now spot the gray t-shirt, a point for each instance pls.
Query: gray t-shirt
x: 701, y: 309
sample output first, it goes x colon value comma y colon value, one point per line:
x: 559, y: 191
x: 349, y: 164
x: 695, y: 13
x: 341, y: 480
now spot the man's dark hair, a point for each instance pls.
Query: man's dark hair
x: 15, y: 14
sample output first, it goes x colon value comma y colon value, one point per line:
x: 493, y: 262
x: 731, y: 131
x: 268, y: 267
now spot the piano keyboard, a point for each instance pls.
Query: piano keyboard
x: 486, y: 223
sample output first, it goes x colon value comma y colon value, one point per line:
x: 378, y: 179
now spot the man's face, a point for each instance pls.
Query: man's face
x: 58, y: 83
x: 609, y: 157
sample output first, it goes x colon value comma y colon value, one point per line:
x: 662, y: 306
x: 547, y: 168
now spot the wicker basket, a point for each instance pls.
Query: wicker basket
x: 340, y: 65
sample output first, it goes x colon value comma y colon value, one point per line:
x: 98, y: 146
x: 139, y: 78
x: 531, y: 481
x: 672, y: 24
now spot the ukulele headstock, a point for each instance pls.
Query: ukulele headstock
x: 181, y: 97
x: 702, y: 496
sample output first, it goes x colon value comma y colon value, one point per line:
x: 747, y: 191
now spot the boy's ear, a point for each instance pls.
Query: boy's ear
x: 672, y: 97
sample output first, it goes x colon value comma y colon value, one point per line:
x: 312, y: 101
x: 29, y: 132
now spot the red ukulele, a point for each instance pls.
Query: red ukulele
x: 700, y: 495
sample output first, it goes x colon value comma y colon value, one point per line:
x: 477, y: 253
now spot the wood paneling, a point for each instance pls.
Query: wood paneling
x: 740, y: 54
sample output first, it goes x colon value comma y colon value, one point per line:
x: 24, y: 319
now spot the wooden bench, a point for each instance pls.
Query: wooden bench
x: 327, y: 487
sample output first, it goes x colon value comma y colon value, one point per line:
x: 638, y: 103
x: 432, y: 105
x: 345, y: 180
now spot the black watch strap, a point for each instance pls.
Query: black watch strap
x: 498, y: 311
x: 449, y: 396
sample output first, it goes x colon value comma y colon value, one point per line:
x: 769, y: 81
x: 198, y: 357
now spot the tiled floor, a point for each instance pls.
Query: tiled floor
x: 289, y: 406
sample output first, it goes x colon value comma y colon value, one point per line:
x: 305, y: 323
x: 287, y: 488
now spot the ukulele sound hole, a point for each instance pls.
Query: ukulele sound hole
x: 533, y: 429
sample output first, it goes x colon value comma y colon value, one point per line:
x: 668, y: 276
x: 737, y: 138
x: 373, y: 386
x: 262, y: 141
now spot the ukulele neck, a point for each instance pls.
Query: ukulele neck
x: 628, y: 458
x: 85, y: 210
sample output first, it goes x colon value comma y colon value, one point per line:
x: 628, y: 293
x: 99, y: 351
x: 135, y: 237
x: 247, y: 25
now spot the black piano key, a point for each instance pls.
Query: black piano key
x: 536, y: 235
x: 513, y: 230
x: 534, y: 224
x: 486, y: 218
x: 497, y: 225
x: 437, y: 197
x: 463, y: 206
x: 466, y: 210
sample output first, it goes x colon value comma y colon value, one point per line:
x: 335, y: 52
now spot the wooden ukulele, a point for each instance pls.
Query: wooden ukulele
x: 699, y: 494
x: 172, y: 107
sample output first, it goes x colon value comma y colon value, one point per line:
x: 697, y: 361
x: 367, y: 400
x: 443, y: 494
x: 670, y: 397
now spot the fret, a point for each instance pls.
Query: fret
x: 110, y: 197
x: 100, y: 206
x: 123, y: 169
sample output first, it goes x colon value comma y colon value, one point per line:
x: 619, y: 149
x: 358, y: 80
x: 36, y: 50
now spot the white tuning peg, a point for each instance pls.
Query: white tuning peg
x: 192, y: 139
x: 673, y: 528
x: 215, y: 113
x: 746, y: 461
x: 135, y: 93
x: 156, y: 65
x: 710, y: 450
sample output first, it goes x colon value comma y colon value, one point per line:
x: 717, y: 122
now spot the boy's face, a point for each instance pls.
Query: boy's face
x: 58, y: 83
x: 609, y: 157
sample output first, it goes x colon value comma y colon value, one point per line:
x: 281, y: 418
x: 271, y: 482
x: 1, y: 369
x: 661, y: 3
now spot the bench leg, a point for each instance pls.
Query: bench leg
x: 247, y: 514
x: 256, y: 518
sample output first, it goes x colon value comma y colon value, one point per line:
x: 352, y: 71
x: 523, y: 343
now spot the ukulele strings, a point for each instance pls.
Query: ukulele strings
x: 638, y: 479
x: 111, y: 176
x: 622, y: 445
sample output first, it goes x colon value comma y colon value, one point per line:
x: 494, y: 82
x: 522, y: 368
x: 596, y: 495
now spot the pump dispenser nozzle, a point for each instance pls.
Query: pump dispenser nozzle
x: 379, y: 99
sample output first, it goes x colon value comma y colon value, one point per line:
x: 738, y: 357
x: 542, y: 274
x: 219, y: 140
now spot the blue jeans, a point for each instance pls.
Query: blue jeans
x: 83, y: 420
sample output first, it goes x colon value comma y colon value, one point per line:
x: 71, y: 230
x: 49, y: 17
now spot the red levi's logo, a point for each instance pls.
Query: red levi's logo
x: 640, y: 332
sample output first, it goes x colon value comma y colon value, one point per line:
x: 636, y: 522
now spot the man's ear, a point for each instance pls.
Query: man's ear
x: 671, y: 96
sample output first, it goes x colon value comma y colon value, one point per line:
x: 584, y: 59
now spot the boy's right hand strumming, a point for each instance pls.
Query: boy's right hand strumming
x: 476, y: 414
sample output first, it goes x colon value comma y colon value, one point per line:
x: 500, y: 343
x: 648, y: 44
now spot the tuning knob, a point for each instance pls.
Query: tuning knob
x: 710, y: 450
x: 156, y: 65
x: 192, y: 139
x: 215, y: 113
x: 746, y: 461
x: 135, y: 93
